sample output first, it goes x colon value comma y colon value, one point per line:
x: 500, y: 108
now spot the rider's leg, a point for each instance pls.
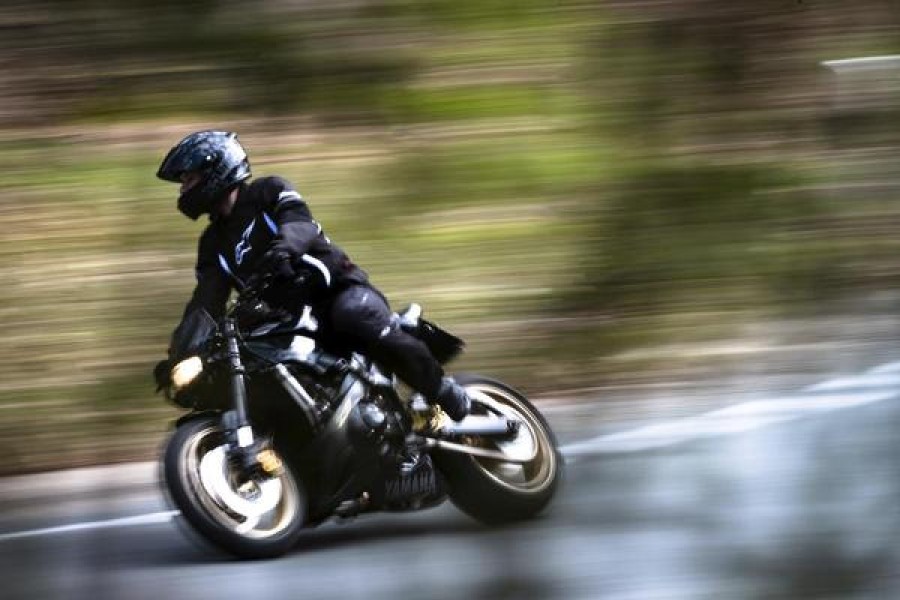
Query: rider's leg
x: 362, y: 314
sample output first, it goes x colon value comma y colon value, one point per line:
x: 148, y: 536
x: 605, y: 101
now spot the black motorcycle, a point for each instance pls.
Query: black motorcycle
x: 285, y: 432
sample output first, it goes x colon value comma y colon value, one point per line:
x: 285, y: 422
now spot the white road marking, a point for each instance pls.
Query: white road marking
x: 730, y: 420
x: 859, y: 382
x: 878, y: 384
x: 147, y: 519
x: 891, y: 367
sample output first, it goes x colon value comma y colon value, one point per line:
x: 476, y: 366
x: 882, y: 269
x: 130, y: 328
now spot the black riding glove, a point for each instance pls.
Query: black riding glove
x: 278, y: 263
x: 290, y: 286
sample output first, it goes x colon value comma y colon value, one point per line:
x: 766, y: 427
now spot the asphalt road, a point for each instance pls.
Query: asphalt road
x: 794, y: 496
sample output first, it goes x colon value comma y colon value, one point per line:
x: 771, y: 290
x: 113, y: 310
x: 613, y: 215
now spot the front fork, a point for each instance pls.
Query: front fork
x: 252, y: 456
x: 237, y: 420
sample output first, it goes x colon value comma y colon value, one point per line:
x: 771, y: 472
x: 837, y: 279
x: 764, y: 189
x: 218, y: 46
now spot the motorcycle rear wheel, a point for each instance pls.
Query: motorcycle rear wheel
x: 497, y: 492
x: 249, y: 519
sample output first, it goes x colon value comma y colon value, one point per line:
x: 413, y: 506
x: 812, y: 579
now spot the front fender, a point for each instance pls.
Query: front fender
x: 193, y: 415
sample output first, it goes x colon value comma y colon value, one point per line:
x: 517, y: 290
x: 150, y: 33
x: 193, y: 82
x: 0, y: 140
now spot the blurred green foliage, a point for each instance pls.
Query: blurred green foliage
x: 560, y: 182
x: 678, y: 230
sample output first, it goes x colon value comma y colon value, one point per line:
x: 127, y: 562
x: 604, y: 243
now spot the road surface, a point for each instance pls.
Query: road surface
x: 794, y: 496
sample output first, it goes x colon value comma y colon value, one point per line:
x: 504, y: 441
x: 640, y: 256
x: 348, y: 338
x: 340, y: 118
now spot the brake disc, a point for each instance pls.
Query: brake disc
x: 215, y: 472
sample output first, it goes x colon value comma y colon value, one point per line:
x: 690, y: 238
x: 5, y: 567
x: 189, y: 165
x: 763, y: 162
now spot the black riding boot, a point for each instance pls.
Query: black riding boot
x: 453, y: 398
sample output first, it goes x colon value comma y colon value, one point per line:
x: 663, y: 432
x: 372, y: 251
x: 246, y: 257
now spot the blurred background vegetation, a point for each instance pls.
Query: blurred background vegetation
x: 561, y: 182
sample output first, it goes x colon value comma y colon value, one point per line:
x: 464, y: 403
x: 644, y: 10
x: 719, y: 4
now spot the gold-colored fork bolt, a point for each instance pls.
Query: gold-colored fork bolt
x: 270, y: 462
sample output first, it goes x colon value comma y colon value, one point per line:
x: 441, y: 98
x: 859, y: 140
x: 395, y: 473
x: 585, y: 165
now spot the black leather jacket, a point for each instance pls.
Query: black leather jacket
x: 269, y: 214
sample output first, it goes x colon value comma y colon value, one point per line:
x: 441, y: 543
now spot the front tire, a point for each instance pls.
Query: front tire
x: 249, y: 519
x: 497, y: 492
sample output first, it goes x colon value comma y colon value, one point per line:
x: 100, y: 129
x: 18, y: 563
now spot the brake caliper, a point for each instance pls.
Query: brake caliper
x: 270, y: 463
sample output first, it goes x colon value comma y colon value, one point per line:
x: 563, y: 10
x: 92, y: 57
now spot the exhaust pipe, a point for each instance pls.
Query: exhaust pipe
x: 483, y: 426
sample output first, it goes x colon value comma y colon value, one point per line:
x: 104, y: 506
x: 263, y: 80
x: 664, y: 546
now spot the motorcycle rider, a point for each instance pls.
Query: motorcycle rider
x: 265, y: 225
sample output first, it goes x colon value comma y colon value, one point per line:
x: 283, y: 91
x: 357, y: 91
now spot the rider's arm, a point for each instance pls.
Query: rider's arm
x: 296, y: 228
x: 210, y: 296
x: 211, y: 292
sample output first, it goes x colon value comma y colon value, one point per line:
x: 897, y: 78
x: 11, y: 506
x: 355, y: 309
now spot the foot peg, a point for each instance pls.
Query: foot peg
x: 351, y: 508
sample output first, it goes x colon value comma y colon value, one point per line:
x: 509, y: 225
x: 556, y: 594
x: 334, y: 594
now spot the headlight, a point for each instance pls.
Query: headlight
x: 186, y: 371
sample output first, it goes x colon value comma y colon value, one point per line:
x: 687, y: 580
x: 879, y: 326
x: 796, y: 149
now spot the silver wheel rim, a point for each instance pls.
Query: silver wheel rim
x: 255, y: 510
x: 533, y: 439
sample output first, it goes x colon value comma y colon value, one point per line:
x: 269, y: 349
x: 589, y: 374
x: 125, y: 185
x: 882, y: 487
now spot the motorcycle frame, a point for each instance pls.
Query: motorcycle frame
x: 329, y: 436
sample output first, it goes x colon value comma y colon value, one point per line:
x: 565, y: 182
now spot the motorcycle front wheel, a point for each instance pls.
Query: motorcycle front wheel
x: 249, y: 518
x: 495, y: 491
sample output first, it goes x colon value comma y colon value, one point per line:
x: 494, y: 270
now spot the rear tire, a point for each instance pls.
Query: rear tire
x: 246, y: 519
x: 496, y: 492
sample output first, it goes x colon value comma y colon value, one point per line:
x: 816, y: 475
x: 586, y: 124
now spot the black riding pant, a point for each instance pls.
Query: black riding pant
x: 361, y: 315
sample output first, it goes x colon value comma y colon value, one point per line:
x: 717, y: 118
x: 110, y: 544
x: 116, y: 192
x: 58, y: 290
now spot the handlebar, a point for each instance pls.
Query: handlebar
x: 252, y: 291
x: 249, y: 308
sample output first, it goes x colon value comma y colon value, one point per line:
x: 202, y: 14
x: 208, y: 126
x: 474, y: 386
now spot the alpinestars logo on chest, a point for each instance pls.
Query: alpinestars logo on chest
x: 243, y: 246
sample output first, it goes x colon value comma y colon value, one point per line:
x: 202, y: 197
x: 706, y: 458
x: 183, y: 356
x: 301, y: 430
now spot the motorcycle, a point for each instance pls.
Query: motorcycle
x: 283, y: 432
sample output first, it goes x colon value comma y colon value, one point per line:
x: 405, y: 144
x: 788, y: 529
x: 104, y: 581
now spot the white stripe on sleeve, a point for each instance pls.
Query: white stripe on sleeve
x: 310, y: 260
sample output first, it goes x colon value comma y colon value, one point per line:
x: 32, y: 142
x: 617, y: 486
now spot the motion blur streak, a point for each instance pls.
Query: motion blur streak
x: 648, y: 209
x: 571, y: 184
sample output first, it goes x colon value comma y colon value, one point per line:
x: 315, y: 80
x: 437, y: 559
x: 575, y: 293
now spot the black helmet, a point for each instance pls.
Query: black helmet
x: 217, y: 156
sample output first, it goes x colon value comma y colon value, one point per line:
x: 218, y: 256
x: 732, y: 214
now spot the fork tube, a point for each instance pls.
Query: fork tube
x: 238, y: 386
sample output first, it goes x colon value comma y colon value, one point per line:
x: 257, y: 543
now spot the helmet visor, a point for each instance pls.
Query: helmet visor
x: 184, y: 158
x: 194, y: 202
x: 171, y: 169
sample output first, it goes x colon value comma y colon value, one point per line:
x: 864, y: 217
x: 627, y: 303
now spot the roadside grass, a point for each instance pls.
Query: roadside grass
x: 489, y: 232
x: 495, y: 187
x: 98, y: 265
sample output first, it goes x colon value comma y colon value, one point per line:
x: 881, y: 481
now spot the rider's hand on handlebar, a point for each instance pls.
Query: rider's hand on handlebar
x: 278, y: 263
x: 288, y: 286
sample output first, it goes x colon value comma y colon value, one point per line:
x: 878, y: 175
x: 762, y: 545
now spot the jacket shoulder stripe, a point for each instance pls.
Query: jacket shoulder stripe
x: 287, y: 197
